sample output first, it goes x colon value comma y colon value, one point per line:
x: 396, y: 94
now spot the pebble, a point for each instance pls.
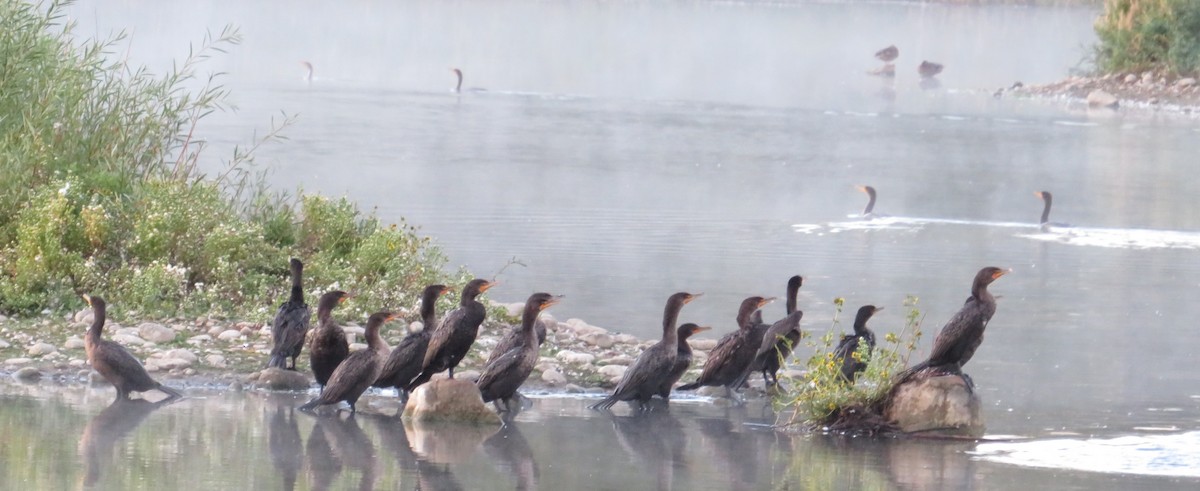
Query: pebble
x: 573, y: 389
x: 613, y: 372
x: 471, y: 375
x: 17, y: 361
x: 76, y: 363
x: 217, y: 361
x: 357, y: 346
x: 246, y: 331
x: 416, y: 326
x: 215, y: 331
x: 27, y: 375
x: 1184, y: 83
x: 73, y: 343
x: 353, y: 329
x: 39, y: 349
x: 155, y: 333
x: 84, y: 316
x: 574, y: 358
x: 599, y: 340
x: 4, y: 344
x: 128, y: 331
x: 236, y: 386
x: 94, y: 378
x: 128, y: 340
x: 181, y: 354
x: 618, y: 360
x: 229, y: 335
x: 626, y: 339
x: 703, y: 344
x: 3, y: 318
x: 1131, y: 78
x: 202, y: 338
x: 554, y: 378
x: 189, y: 372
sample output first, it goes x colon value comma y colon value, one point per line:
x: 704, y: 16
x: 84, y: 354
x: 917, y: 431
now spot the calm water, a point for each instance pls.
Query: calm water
x: 627, y: 150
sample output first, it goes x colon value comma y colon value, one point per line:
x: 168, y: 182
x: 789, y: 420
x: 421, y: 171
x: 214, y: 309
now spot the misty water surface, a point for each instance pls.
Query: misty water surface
x: 625, y: 151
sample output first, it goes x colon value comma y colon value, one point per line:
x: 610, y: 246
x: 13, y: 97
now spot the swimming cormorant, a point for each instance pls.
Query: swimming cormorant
x: 356, y: 373
x: 1045, y: 222
x: 846, y: 348
x: 645, y: 377
x: 502, y: 376
x: 329, y: 346
x: 888, y: 54
x: 114, y: 362
x: 869, y: 211
x: 929, y: 69
x: 455, y: 335
x: 291, y: 323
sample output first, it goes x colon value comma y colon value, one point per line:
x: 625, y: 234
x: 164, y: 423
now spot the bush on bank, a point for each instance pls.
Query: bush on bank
x: 102, y: 195
x: 1161, y: 35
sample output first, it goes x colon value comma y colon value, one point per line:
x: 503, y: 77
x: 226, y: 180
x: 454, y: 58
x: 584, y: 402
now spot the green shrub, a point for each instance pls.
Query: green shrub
x: 98, y: 161
x: 1149, y: 35
x: 822, y: 397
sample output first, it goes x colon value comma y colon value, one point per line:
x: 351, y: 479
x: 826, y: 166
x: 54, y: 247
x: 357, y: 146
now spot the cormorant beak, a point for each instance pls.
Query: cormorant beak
x: 488, y: 286
x: 552, y: 302
x: 394, y: 315
x: 877, y: 309
x: 345, y: 297
x: 765, y: 301
x: 861, y: 189
x: 691, y: 297
x: 703, y: 328
x: 88, y: 299
x: 1001, y: 273
x: 445, y: 290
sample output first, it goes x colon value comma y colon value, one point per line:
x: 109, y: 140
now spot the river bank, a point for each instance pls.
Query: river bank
x: 1145, y: 91
x: 576, y: 358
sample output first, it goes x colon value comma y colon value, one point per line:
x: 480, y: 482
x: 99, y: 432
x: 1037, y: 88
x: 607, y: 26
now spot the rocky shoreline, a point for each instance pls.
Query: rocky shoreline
x: 1153, y: 91
x: 576, y: 358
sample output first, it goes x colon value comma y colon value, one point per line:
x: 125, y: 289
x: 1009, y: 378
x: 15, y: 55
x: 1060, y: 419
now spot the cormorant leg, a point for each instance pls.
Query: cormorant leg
x: 451, y: 372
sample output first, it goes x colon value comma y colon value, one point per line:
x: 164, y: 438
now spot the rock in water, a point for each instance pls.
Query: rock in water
x: 279, y: 379
x: 27, y: 375
x: 939, y: 405
x: 446, y: 442
x: 1100, y: 98
x: 448, y: 400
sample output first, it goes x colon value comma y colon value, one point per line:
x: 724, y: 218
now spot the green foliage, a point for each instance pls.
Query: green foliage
x: 98, y: 162
x: 1149, y: 35
x: 823, y: 395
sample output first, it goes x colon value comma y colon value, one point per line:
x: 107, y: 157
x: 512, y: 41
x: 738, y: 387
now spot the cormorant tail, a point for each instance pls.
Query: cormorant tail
x: 278, y: 361
x: 691, y: 386
x: 308, y: 406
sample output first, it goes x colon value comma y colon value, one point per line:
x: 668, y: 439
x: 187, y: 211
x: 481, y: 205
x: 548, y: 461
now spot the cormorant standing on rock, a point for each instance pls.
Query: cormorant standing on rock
x: 114, y: 362
x: 846, y: 348
x: 454, y: 337
x: 329, y: 345
x: 291, y: 323
x: 961, y: 336
x: 730, y: 359
x: 356, y: 373
x: 502, y: 376
x: 404, y: 362
x: 645, y: 377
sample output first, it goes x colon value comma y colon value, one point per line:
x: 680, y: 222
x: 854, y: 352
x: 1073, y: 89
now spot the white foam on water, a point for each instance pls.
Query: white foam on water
x: 1124, y: 238
x: 1175, y: 455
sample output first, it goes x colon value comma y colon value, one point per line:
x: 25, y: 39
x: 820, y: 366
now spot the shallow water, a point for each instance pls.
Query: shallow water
x: 625, y: 151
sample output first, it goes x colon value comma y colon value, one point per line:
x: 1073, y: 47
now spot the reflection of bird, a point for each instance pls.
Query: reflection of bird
x: 780, y: 339
x: 683, y: 358
x: 455, y: 335
x: 404, y: 362
x: 655, y: 439
x: 501, y: 377
x: 1045, y: 222
x: 846, y: 348
x: 291, y: 322
x: 329, y: 346
x: 103, y: 431
x: 436, y: 477
x: 510, y: 452
x: 869, y: 211
x: 733, y: 353
x: 929, y: 69
x: 888, y: 54
x: 393, y: 437
x: 352, y: 446
x: 458, y: 86
x: 357, y: 372
x: 323, y: 464
x: 308, y: 71
x: 287, y: 449
x: 961, y: 336
x: 114, y: 362
x: 644, y: 378
x: 733, y: 450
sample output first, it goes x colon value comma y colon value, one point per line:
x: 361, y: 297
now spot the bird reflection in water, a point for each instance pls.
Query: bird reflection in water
x: 654, y: 438
x: 439, y: 444
x: 733, y: 447
x: 511, y: 453
x: 102, y: 432
x: 283, y: 440
x: 336, y: 443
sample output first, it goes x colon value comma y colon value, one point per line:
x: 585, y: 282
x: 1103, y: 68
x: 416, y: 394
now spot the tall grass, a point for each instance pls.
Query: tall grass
x: 99, y: 180
x: 1140, y: 35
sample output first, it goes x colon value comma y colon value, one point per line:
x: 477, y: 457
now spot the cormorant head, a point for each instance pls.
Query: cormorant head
x: 687, y: 330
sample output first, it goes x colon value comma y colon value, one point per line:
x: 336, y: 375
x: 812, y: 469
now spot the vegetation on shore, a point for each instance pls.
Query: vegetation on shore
x: 822, y: 399
x: 98, y: 169
x: 1149, y: 35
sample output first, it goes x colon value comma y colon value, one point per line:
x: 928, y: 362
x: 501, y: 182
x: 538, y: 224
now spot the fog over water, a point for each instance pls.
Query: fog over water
x: 626, y: 150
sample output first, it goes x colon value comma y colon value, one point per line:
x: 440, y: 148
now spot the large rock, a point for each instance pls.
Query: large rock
x: 27, y: 375
x: 939, y: 405
x: 278, y: 379
x: 1100, y: 98
x: 39, y: 349
x: 155, y: 333
x: 454, y: 400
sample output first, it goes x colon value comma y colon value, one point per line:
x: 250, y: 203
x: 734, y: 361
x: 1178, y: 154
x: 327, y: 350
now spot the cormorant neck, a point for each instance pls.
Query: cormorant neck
x: 98, y: 315
x: 325, y: 311
x: 979, y: 290
x: 458, y: 87
x: 860, y: 323
x: 670, y: 317
x: 745, y: 314
x: 297, y: 284
x: 792, y: 292
x: 870, y: 202
x: 529, y: 317
x: 374, y: 341
x: 429, y: 311
x: 1046, y: 209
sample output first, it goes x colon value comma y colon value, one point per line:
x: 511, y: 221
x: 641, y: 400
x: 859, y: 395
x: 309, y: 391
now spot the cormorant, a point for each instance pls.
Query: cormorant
x: 846, y: 348
x: 356, y: 373
x: 455, y: 335
x: 869, y: 211
x: 961, y: 336
x: 683, y: 358
x: 329, y: 346
x: 291, y: 323
x: 645, y: 377
x: 888, y: 54
x: 929, y: 69
x: 1045, y: 222
x: 730, y: 359
x: 502, y: 377
x: 114, y: 362
x: 404, y: 362
x: 513, y: 338
x: 780, y: 339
